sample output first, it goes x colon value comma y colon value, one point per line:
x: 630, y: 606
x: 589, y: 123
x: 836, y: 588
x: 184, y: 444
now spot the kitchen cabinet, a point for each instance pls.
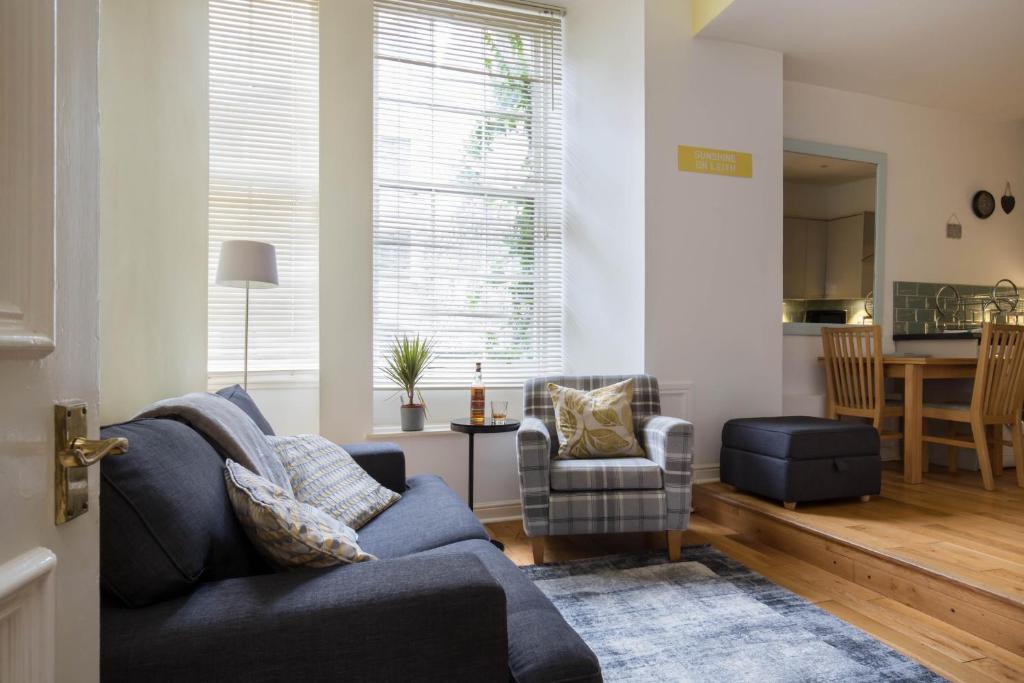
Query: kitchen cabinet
x: 804, y: 258
x: 849, y: 269
x: 842, y: 265
x: 828, y: 259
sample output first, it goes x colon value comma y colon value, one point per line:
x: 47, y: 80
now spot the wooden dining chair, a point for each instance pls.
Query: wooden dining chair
x: 855, y: 377
x: 996, y: 401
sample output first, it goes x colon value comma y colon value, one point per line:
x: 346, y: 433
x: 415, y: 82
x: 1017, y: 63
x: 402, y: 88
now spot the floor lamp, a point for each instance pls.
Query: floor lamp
x: 248, y: 264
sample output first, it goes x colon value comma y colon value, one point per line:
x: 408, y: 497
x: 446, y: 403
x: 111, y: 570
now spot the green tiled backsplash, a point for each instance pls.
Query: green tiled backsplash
x: 914, y: 308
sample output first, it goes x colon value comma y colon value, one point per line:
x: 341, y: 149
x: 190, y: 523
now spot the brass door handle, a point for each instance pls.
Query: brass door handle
x: 73, y: 453
x: 84, y: 452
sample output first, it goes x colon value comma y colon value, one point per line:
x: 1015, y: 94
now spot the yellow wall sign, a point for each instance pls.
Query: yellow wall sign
x: 715, y: 161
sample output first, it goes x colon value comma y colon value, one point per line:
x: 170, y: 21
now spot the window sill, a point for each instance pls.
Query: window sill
x: 385, y: 432
x: 454, y: 387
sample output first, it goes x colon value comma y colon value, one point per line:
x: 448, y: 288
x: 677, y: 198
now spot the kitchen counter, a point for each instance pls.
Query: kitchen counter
x: 938, y: 336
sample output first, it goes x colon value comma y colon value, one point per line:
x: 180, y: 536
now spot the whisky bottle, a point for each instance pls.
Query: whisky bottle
x: 476, y: 398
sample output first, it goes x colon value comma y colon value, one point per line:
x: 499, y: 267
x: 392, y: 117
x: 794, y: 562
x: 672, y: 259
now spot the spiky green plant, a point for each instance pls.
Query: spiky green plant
x: 405, y: 361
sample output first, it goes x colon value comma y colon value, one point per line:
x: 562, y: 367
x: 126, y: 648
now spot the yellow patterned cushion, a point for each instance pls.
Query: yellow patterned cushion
x: 595, y: 424
x: 287, y: 532
x: 325, y: 476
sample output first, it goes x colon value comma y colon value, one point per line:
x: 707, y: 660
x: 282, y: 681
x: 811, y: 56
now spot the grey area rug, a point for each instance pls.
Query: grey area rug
x: 709, y: 618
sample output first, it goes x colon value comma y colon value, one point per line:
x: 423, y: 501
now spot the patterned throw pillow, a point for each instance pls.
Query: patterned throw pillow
x: 325, y: 476
x: 285, y: 531
x: 595, y: 424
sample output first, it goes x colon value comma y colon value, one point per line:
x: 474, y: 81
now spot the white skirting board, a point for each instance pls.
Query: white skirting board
x: 27, y: 617
x: 502, y: 511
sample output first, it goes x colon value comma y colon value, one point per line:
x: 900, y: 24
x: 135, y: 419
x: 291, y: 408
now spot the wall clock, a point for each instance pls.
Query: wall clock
x: 983, y: 204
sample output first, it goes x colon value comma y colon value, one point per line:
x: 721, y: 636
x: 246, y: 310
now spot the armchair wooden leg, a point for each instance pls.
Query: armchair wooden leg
x: 538, y: 549
x: 675, y: 540
x: 789, y: 505
x: 865, y: 499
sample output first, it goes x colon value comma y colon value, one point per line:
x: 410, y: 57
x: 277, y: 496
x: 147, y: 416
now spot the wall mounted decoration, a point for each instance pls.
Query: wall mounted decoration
x: 983, y: 204
x: 716, y: 161
x: 1008, y: 202
x: 954, y: 230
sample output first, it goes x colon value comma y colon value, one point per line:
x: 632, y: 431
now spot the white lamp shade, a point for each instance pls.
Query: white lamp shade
x: 247, y: 263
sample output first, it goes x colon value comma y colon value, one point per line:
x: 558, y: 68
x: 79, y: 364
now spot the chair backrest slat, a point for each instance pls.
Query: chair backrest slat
x: 853, y: 366
x: 999, y: 379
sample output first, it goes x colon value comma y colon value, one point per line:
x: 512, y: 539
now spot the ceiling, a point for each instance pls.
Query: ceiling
x: 814, y: 170
x: 964, y: 55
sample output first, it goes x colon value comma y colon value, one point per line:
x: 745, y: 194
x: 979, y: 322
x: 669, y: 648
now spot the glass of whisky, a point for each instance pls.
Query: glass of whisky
x: 499, y: 411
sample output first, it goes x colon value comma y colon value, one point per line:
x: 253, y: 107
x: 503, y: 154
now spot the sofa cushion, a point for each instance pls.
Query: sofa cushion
x: 227, y: 428
x: 382, y: 460
x: 429, y: 515
x: 167, y: 524
x: 800, y: 437
x: 288, y: 532
x: 605, y: 474
x: 241, y: 398
x: 542, y: 646
x: 325, y: 476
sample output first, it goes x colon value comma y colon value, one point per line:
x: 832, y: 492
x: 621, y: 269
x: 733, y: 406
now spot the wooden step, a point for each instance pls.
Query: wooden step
x: 918, y: 555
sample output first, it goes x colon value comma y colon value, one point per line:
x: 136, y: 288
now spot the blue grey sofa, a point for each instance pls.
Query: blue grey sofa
x: 186, y: 597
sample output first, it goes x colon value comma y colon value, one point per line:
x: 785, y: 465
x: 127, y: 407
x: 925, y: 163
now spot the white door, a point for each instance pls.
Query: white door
x: 49, y: 224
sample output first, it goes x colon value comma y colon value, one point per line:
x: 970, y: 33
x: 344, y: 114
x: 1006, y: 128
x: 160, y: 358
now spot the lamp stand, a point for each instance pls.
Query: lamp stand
x: 245, y: 356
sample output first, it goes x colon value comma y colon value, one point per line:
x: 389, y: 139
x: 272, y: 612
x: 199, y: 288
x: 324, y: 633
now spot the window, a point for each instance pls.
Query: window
x: 264, y: 162
x: 467, y: 223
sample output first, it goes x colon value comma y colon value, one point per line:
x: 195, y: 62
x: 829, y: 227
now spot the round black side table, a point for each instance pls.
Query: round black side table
x: 488, y: 426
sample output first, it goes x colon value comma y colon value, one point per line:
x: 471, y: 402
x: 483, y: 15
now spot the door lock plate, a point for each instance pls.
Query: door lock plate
x: 73, y: 454
x: 71, y: 492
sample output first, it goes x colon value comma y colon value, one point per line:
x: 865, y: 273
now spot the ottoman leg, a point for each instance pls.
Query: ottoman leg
x: 789, y: 505
x: 865, y: 499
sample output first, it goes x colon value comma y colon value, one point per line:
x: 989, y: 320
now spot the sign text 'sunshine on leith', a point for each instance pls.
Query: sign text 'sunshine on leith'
x: 715, y: 161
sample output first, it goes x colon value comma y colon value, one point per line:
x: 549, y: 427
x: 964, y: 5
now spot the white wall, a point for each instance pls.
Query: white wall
x: 604, y: 186
x: 936, y: 161
x: 346, y: 194
x: 713, y: 243
x: 153, y: 189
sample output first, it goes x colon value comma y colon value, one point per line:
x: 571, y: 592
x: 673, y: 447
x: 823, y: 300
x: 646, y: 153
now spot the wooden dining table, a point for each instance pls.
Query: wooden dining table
x: 914, y: 370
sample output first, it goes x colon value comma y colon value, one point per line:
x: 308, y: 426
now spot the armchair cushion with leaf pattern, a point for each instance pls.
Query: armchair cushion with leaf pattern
x: 595, y: 424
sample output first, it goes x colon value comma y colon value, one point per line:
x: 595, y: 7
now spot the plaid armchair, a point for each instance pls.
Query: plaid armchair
x: 604, y: 495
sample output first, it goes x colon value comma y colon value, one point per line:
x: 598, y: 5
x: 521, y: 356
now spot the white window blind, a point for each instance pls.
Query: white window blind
x: 467, y: 223
x: 264, y: 162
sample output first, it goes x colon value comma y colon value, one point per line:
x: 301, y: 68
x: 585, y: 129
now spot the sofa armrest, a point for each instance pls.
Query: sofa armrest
x: 382, y: 460
x: 427, y: 618
x: 533, y: 452
x: 668, y: 441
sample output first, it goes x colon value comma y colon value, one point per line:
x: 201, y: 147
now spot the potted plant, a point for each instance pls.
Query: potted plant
x: 405, y: 362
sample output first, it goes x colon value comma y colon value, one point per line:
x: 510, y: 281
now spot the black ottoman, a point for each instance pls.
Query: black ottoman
x: 801, y: 459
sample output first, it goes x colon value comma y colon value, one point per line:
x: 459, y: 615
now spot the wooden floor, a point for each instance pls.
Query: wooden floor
x: 949, y: 525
